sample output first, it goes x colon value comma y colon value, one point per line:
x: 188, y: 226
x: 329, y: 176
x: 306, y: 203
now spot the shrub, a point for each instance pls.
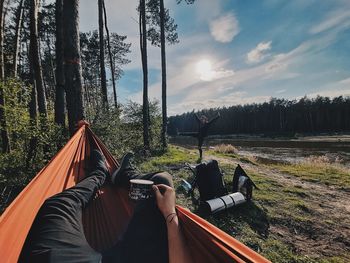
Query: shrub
x: 324, y: 163
x: 225, y: 149
x: 16, y: 167
x: 122, y: 129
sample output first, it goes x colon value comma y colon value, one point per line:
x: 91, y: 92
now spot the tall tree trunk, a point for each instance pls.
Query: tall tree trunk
x: 36, y: 80
x: 164, y: 87
x: 33, y: 114
x: 59, y: 98
x: 2, y: 25
x: 3, y: 125
x: 17, y: 37
x: 72, y: 70
x: 111, y: 62
x: 52, y: 67
x: 102, y: 54
x: 35, y: 57
x: 145, y: 108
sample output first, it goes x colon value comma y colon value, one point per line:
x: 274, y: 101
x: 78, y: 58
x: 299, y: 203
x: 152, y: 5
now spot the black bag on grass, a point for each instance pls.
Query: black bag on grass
x: 209, y: 180
x: 242, y: 183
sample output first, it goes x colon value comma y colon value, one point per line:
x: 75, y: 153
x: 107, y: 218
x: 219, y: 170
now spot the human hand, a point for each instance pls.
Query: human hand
x: 165, y: 198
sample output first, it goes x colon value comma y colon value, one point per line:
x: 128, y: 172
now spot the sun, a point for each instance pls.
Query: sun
x: 204, y: 70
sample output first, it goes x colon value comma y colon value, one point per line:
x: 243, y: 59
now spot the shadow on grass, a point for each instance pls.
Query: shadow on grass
x: 248, y: 213
x: 254, y: 216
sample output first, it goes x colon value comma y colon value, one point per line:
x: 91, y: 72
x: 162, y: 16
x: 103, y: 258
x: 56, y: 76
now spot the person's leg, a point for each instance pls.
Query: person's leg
x: 57, y: 233
x: 200, y: 144
x: 146, y: 237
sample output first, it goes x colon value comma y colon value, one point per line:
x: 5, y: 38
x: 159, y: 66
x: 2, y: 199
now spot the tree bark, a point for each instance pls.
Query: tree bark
x: 164, y: 82
x: 33, y: 114
x: 3, y: 125
x: 48, y: 43
x: 35, y: 58
x: 72, y: 70
x: 145, y: 106
x: 110, y: 57
x: 59, y: 98
x: 17, y: 37
x: 2, y: 25
x: 102, y: 54
x: 36, y: 79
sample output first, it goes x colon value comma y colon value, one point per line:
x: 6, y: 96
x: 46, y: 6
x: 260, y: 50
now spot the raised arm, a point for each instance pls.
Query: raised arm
x: 214, y: 119
x: 178, y: 252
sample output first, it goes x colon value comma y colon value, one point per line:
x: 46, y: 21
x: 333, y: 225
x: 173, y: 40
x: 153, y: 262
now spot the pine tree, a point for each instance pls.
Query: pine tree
x: 3, y: 126
x: 162, y: 29
x: 72, y: 69
x: 102, y: 54
x: 143, y: 47
x: 37, y: 74
x: 59, y: 98
x: 18, y: 28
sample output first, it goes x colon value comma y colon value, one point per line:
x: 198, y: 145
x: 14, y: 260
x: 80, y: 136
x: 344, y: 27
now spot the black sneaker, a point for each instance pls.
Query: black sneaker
x: 98, y: 162
x: 121, y: 174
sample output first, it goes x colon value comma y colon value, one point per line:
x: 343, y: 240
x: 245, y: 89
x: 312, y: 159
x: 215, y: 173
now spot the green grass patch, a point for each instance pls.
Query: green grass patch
x: 327, y: 174
x: 220, y: 154
x: 174, y: 156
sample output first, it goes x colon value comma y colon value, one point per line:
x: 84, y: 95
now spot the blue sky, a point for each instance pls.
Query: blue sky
x: 238, y: 51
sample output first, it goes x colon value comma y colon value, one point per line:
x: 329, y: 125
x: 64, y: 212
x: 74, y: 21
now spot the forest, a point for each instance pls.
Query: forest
x: 278, y: 116
x: 52, y: 75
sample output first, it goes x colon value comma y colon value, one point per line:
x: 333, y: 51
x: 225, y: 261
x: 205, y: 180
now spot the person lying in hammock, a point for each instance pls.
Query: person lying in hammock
x: 153, y: 234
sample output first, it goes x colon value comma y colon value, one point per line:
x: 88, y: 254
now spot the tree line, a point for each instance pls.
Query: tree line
x: 278, y: 116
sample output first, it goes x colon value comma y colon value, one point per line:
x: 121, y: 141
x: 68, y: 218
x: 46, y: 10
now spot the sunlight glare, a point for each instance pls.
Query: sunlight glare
x: 204, y: 70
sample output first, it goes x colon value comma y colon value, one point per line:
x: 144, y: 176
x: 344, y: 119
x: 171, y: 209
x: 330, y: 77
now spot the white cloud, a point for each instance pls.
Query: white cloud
x: 281, y: 91
x: 224, y: 28
x: 259, y: 53
x: 234, y: 98
x: 183, y: 78
x: 270, y: 68
x: 335, y: 89
x: 337, y: 18
x: 222, y: 73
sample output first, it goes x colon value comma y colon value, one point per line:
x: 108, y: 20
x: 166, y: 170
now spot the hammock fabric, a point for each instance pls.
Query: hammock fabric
x: 108, y: 215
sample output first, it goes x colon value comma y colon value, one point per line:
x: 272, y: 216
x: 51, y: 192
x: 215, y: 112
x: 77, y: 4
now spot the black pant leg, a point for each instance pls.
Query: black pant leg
x: 85, y: 190
x: 57, y: 234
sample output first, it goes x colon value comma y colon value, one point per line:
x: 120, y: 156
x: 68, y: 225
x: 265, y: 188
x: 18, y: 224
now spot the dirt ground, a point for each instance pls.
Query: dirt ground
x: 327, y: 234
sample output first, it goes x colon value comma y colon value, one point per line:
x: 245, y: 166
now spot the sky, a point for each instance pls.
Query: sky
x: 237, y: 51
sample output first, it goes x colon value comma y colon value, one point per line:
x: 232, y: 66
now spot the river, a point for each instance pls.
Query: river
x: 335, y: 148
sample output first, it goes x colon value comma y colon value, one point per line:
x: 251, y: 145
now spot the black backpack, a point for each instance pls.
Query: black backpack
x: 242, y: 183
x: 209, y: 180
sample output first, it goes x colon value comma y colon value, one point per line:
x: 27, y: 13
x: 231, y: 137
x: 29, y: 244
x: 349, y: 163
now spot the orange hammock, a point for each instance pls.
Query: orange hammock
x: 109, y: 213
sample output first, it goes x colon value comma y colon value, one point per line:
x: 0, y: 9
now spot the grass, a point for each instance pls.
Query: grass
x: 328, y: 174
x: 283, y: 208
x: 225, y: 149
x: 174, y: 156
